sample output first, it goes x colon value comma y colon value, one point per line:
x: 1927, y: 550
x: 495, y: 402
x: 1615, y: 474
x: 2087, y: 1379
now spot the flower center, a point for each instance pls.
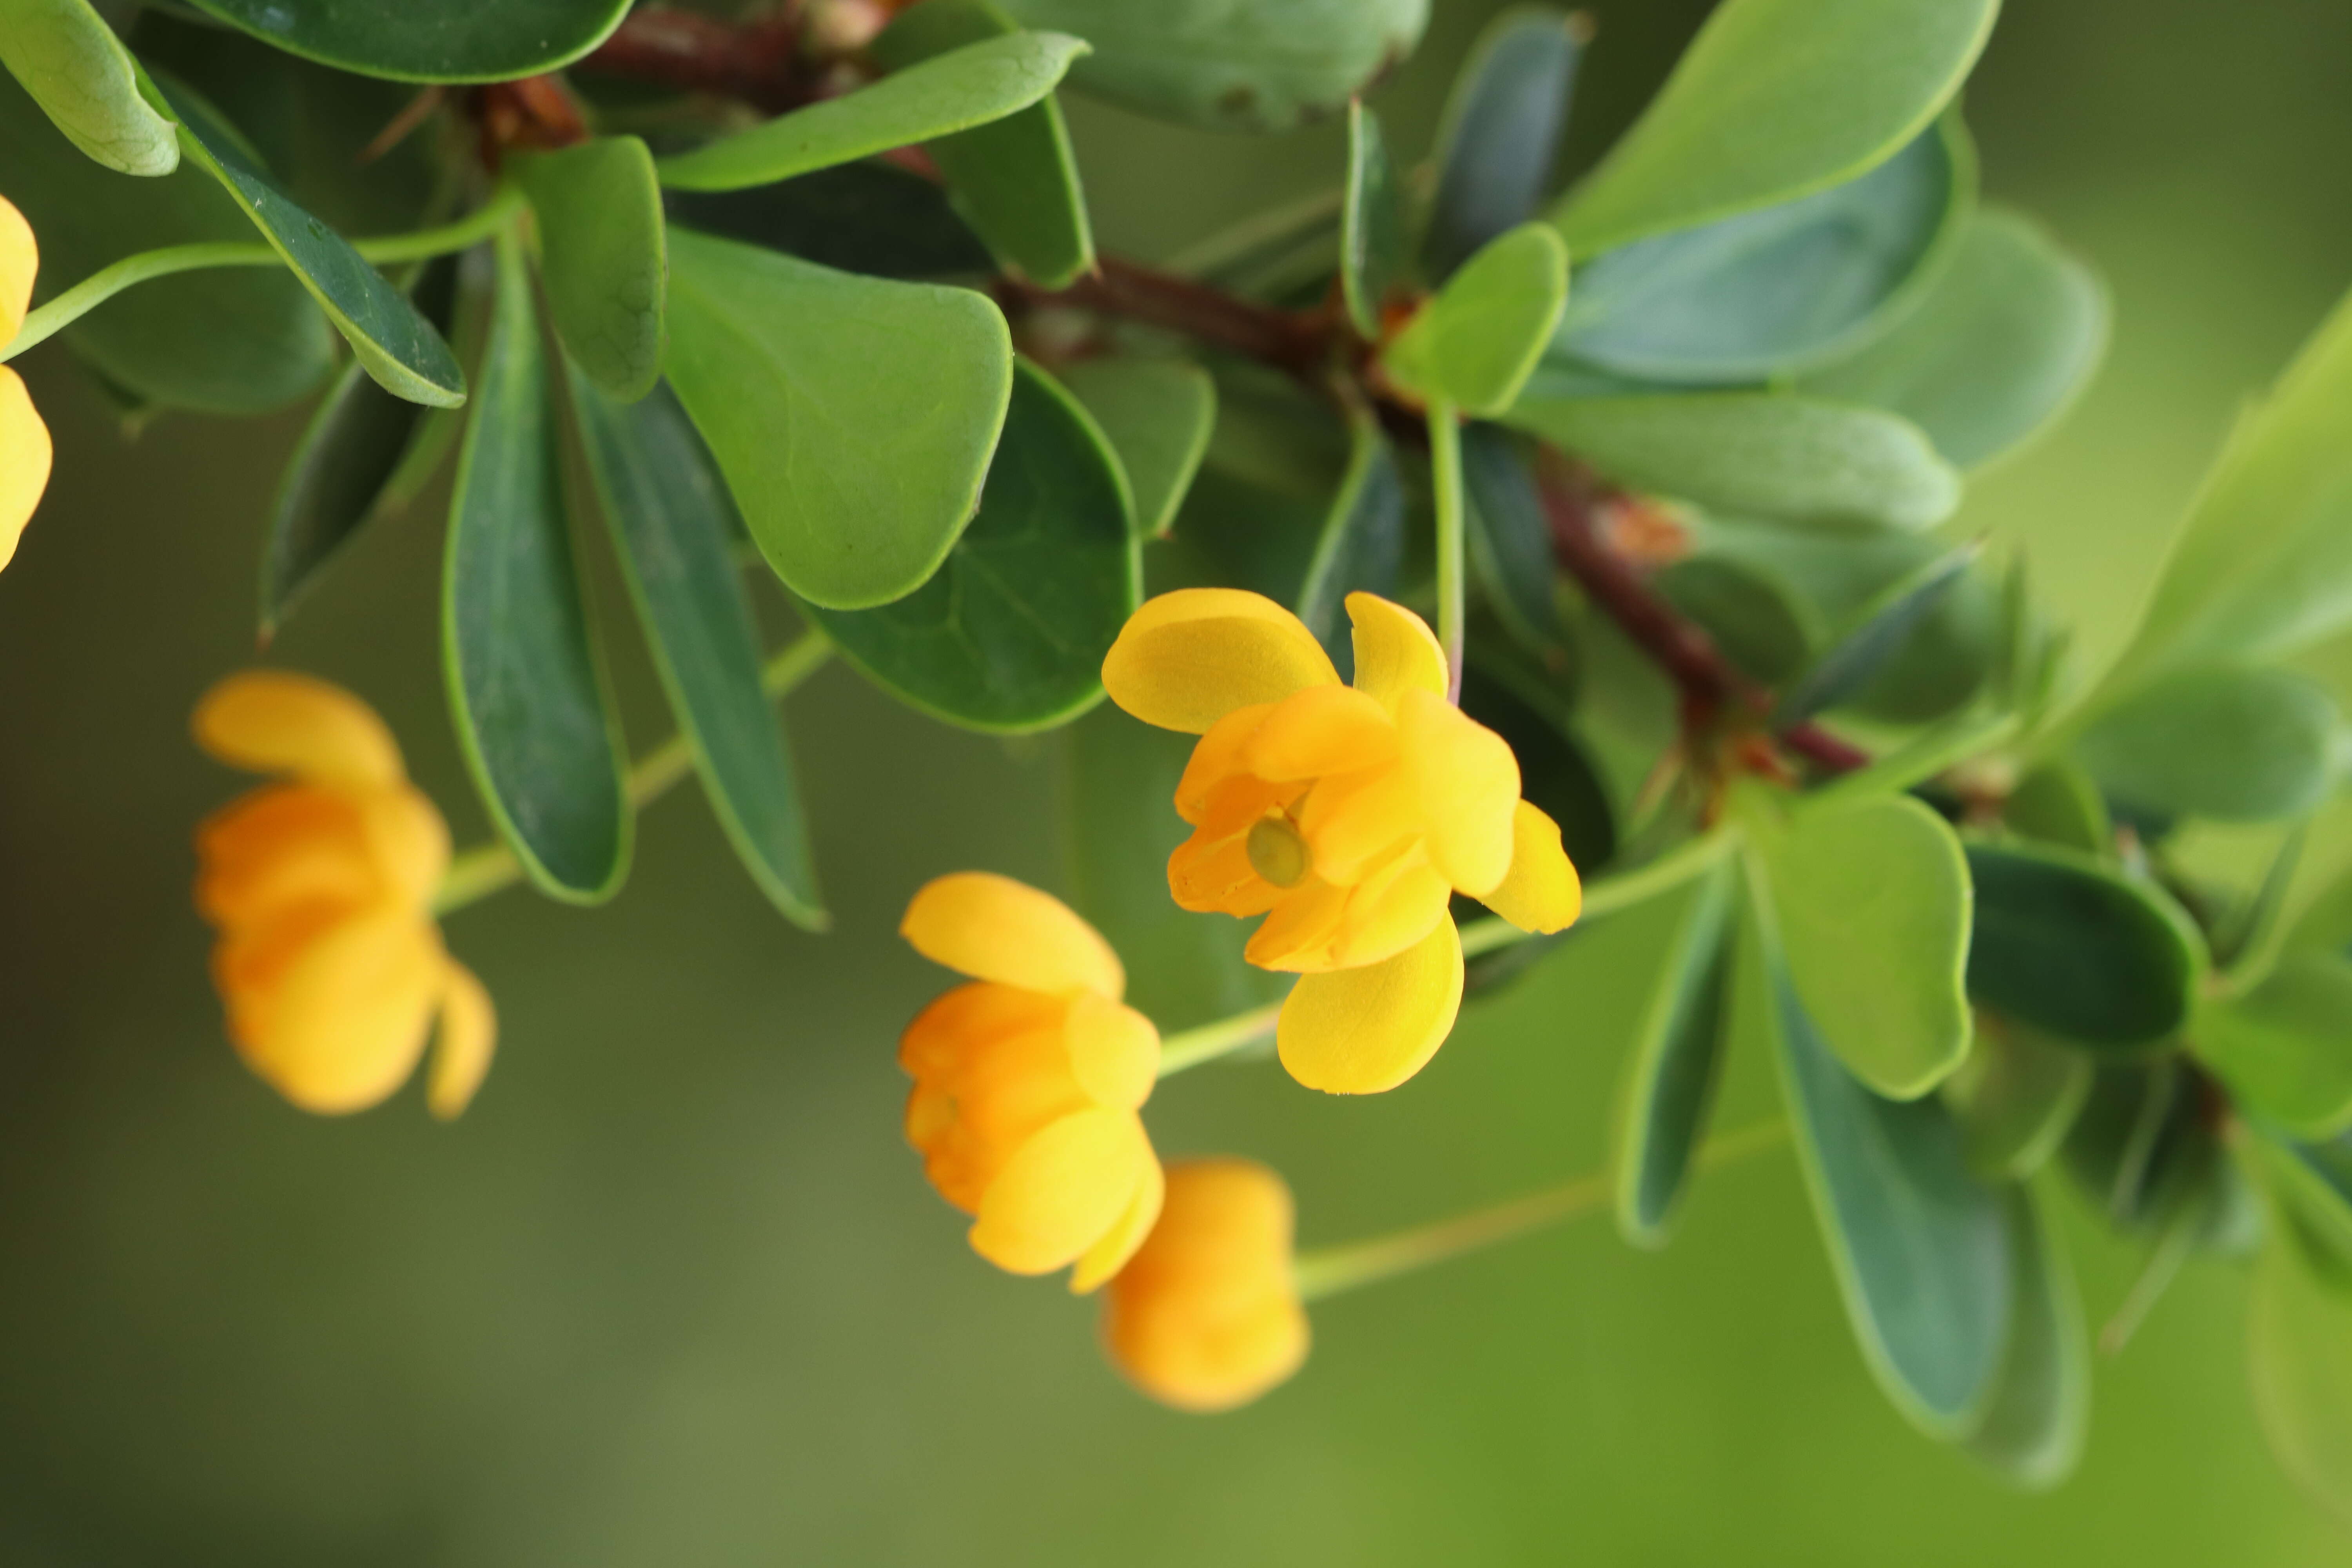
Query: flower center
x: 1277, y: 852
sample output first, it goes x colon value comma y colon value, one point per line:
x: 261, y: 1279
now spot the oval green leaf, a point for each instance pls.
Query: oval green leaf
x: 1849, y: 665
x: 2066, y: 943
x: 429, y: 40
x: 2231, y: 744
x: 1373, y: 272
x: 1753, y: 617
x: 673, y: 526
x: 1474, y: 344
x: 2033, y: 1428
x: 2056, y: 803
x: 2284, y: 1047
x: 1510, y: 540
x: 1157, y: 415
x: 2299, y: 1330
x: 602, y: 258
x: 1502, y: 126
x: 532, y: 717
x: 1011, y: 634
x: 1756, y: 453
x: 870, y: 217
x: 1871, y: 899
x: 65, y: 56
x: 1675, y: 1061
x: 1361, y: 547
x: 853, y: 417
x: 2016, y: 1097
x: 1774, y: 99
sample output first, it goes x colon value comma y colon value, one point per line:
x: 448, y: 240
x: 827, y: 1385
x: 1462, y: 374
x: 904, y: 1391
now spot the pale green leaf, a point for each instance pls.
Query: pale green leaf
x: 1475, y: 344
x: 602, y: 258
x: 65, y: 56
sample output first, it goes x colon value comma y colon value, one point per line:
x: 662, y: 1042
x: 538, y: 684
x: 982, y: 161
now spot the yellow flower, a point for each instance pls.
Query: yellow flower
x: 25, y: 452
x: 1348, y: 816
x: 1206, y: 1317
x: 328, y: 961
x: 1027, y: 1081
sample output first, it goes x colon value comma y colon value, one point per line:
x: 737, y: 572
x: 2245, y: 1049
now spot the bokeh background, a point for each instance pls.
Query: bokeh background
x: 674, y: 1292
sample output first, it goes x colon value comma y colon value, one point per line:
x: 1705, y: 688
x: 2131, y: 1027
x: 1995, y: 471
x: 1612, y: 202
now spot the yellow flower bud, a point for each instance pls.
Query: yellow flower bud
x: 1028, y: 1080
x: 329, y: 963
x: 1205, y: 1317
x: 24, y: 450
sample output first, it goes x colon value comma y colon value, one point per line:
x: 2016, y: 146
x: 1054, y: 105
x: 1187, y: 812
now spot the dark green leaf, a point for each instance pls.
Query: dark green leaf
x: 602, y: 258
x: 1773, y: 291
x: 854, y: 417
x: 2141, y: 1146
x: 1015, y: 180
x: 1855, y: 660
x: 1010, y: 633
x: 532, y: 717
x: 858, y: 217
x: 1373, y: 272
x: 1509, y: 538
x: 1475, y: 344
x: 1361, y: 545
x: 2032, y: 1430
x: 1158, y: 414
x: 1502, y: 126
x: 2065, y: 943
x: 2284, y: 1047
x: 429, y: 40
x: 1676, y: 1057
x: 1753, y: 619
x: 2233, y: 744
x: 1755, y: 453
x: 672, y: 523
x: 400, y: 349
x: 2016, y: 1097
x: 65, y: 55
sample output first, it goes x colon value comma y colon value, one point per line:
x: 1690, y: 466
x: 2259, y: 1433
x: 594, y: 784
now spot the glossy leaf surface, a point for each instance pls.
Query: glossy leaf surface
x: 1674, y: 1062
x: 602, y: 258
x: 429, y: 40
x: 63, y: 54
x: 1502, y: 126
x: 1157, y: 415
x: 2069, y: 944
x: 1475, y: 344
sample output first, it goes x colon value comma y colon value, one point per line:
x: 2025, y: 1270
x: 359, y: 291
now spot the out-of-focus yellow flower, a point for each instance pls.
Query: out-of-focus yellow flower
x: 1347, y: 816
x: 25, y: 451
x: 1027, y: 1081
x: 1206, y: 1316
x: 329, y: 962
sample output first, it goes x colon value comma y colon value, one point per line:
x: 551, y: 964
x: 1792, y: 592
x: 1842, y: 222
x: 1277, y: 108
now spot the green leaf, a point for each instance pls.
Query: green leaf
x: 853, y: 418
x: 1756, y: 453
x: 1373, y: 271
x: 240, y: 340
x: 1361, y: 546
x: 1010, y: 633
x: 2008, y: 333
x: 2015, y: 1097
x: 2299, y: 1323
x: 429, y: 40
x: 674, y: 527
x: 1777, y: 289
x: 2311, y: 1187
x: 1775, y: 99
x: 1753, y: 618
x: 2233, y: 744
x: 65, y: 56
x: 1919, y: 1246
x: 538, y: 735
x: 1267, y: 66
x: 1502, y: 126
x: 2032, y: 1429
x: 400, y: 349
x: 1158, y: 414
x: 953, y: 91
x: 2142, y: 1147
x: 1015, y: 180
x: 2056, y: 803
x: 1675, y: 1063
x: 1509, y: 539
x: 1849, y: 665
x: 358, y: 441
x: 2284, y: 1047
x: 2066, y: 943
x: 602, y: 258
x: 1475, y: 344
x: 1871, y: 899
x: 866, y: 217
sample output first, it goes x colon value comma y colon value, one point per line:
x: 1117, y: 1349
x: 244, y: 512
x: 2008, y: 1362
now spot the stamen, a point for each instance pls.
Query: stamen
x: 1277, y: 852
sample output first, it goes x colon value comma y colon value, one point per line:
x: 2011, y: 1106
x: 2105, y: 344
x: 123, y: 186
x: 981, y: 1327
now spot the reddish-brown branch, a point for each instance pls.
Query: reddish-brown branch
x: 752, y: 61
x: 1302, y: 343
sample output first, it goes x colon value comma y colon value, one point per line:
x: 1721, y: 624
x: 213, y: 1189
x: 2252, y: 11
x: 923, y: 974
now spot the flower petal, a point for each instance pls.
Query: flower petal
x: 334, y: 1017
x: 275, y: 721
x: 461, y: 1053
x: 1298, y: 931
x: 24, y: 455
x: 1467, y: 785
x: 1389, y: 913
x: 1541, y: 893
x: 1322, y: 730
x: 20, y: 261
x: 1109, y: 1255
x: 1188, y: 659
x: 280, y: 847
x: 1356, y: 821
x: 1395, y: 651
x: 1114, y: 1051
x: 1062, y: 1191
x: 1360, y: 1031
x: 960, y: 1021
x: 993, y: 928
x: 1216, y: 760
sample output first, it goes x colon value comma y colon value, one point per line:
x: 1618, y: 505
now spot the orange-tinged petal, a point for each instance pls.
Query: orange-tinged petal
x: 1542, y: 893
x: 337, y: 1022
x: 407, y: 840
x: 20, y: 261
x: 1389, y: 913
x: 1298, y: 931
x: 1062, y: 1191
x: 1354, y: 822
x: 1361, y: 1031
x: 1395, y: 651
x: 1467, y: 785
x: 993, y: 928
x: 1188, y: 659
x: 1109, y: 1255
x: 1114, y: 1052
x: 970, y: 1016
x: 280, y: 847
x: 1212, y: 875
x: 1322, y: 730
x: 461, y: 1052
x: 25, y: 456
x: 275, y: 722
x: 1216, y: 759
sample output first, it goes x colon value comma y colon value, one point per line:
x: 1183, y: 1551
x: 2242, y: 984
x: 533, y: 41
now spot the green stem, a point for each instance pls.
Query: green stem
x: 491, y: 868
x: 1191, y: 1048
x: 104, y: 284
x: 1327, y: 1270
x: 1608, y: 895
x: 1446, y: 471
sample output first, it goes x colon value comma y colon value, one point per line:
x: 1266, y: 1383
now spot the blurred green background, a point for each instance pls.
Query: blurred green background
x: 673, y: 1291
